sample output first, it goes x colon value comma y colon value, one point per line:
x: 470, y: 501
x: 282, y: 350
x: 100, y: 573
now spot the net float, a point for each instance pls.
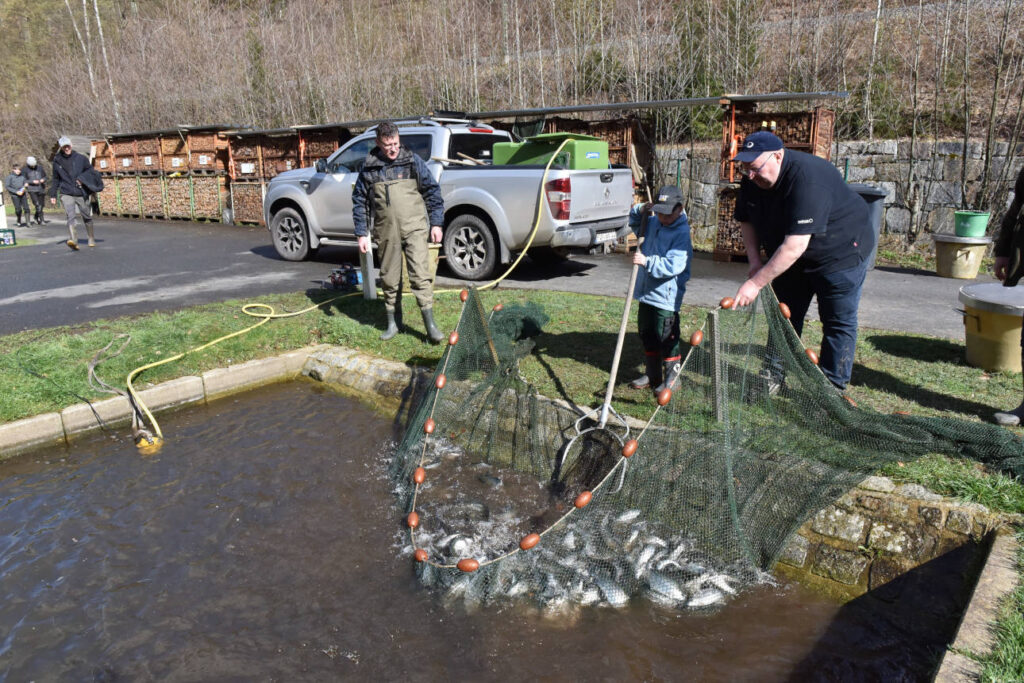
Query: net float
x: 463, y: 295
x: 529, y: 541
x: 440, y: 381
x: 498, y: 307
x: 429, y: 425
x: 785, y: 310
x: 812, y: 355
x: 583, y: 499
x: 901, y: 412
x: 419, y: 475
x: 696, y: 338
x: 664, y: 396
x: 453, y: 338
x: 629, y: 448
x: 413, y: 520
x: 850, y: 400
x: 420, y: 555
x: 727, y: 302
x: 468, y: 565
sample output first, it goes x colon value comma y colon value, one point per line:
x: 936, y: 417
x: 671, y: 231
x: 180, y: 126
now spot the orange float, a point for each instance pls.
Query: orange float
x: 785, y: 310
x: 413, y: 520
x: 696, y: 338
x: 850, y: 400
x: 440, y: 381
x: 727, y: 302
x: 468, y: 565
x: 583, y: 499
x: 629, y: 448
x: 429, y: 425
x: 812, y: 355
x: 419, y: 475
x: 453, y: 338
x: 664, y: 396
x: 420, y: 555
x: 529, y: 541
x: 463, y: 295
x: 901, y: 412
x: 498, y: 307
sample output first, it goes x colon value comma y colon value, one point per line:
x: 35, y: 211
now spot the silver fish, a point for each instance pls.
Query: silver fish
x: 664, y: 585
x: 627, y: 516
x: 667, y: 563
x: 721, y: 582
x: 645, y: 557
x: 615, y: 596
x: 706, y: 598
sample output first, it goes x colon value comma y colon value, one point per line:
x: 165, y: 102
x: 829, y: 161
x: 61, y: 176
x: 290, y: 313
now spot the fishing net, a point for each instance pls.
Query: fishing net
x: 512, y: 495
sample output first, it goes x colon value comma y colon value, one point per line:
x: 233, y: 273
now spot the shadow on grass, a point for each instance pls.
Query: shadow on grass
x: 925, y: 349
x: 882, y: 381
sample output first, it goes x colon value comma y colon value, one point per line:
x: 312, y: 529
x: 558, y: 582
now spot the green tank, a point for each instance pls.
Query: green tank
x: 581, y: 152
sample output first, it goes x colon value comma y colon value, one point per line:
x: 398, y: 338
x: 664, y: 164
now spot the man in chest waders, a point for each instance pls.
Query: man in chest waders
x: 397, y: 195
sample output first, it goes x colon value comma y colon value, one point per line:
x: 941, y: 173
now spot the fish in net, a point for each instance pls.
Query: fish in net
x: 505, y: 502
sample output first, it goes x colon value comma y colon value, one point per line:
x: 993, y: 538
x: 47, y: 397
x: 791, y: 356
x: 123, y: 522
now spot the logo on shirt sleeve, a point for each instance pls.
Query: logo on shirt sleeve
x: 805, y: 221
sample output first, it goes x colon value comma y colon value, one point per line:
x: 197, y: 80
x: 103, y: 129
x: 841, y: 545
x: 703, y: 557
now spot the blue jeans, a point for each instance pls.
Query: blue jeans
x: 838, y: 299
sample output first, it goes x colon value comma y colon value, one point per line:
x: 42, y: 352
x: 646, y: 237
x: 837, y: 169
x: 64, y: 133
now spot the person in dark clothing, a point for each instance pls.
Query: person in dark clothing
x: 397, y: 195
x: 68, y: 166
x: 1009, y: 267
x: 35, y: 176
x: 818, y: 237
x: 16, y: 187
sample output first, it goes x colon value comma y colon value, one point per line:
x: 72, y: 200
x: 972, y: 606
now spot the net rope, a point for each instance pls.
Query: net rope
x: 511, y: 495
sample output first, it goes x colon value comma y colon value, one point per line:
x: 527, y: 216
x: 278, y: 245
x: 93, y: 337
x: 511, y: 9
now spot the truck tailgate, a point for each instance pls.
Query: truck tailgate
x: 600, y: 194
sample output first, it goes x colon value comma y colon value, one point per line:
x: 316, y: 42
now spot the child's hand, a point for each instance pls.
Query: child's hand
x: 639, y: 259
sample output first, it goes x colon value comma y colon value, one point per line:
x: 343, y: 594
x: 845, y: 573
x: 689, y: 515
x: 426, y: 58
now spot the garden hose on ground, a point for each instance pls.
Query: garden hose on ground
x: 150, y: 441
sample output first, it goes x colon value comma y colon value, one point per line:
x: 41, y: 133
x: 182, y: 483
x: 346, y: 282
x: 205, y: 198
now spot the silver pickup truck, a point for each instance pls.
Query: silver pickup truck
x: 489, y: 210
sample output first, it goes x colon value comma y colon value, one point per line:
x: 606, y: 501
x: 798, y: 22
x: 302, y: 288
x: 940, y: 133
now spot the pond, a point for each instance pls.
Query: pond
x: 263, y: 543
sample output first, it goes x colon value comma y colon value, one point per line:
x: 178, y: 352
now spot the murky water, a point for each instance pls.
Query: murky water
x: 262, y: 543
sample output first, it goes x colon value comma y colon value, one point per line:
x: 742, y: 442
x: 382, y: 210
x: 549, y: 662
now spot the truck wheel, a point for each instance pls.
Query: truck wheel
x: 291, y: 236
x: 470, y: 248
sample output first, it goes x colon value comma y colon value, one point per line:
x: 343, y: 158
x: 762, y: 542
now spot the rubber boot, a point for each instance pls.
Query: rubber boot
x: 392, y: 328
x: 652, y: 369
x: 88, y: 229
x: 428, y: 322
x: 17, y: 224
x: 1013, y: 417
x: 671, y: 369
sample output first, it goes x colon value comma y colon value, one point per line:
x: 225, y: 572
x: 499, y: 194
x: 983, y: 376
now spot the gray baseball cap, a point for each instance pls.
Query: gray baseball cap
x: 63, y: 140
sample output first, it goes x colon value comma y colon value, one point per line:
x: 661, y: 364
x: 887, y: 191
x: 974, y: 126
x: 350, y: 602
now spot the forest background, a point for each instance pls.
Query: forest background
x: 952, y: 69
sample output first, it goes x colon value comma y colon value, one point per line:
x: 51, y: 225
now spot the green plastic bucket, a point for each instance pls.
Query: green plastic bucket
x: 970, y: 223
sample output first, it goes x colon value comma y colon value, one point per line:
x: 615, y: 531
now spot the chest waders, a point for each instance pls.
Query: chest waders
x: 400, y: 226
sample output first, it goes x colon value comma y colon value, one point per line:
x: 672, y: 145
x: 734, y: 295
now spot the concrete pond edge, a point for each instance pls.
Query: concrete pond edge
x: 394, y: 383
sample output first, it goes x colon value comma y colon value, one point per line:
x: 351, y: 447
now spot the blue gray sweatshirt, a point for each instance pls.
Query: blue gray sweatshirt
x: 669, y: 251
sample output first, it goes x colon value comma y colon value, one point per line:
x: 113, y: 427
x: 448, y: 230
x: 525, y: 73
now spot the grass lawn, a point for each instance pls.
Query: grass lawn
x: 46, y: 370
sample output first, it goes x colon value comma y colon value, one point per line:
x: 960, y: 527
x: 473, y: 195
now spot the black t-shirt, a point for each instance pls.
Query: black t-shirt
x: 810, y: 197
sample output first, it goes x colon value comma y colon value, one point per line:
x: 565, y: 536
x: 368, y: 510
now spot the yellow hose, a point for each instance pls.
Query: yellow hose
x: 152, y: 445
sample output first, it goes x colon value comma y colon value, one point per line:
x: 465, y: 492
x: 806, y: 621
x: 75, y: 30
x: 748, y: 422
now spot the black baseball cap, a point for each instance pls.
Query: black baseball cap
x: 669, y: 197
x: 755, y: 144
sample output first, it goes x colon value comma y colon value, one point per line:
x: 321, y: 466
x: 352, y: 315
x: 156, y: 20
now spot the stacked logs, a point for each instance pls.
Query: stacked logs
x: 247, y: 202
x: 151, y: 191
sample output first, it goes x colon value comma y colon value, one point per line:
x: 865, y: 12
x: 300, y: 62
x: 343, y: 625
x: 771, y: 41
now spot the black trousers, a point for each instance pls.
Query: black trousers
x: 39, y: 201
x: 20, y: 205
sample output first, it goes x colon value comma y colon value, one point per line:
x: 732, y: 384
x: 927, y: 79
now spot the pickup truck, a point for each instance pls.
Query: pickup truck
x: 489, y: 210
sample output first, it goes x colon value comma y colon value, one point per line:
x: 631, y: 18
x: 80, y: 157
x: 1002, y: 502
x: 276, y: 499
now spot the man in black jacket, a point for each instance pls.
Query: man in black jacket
x: 35, y: 177
x: 68, y: 166
x: 1009, y: 266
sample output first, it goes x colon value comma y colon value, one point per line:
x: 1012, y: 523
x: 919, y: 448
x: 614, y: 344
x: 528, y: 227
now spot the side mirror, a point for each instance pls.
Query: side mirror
x: 321, y: 166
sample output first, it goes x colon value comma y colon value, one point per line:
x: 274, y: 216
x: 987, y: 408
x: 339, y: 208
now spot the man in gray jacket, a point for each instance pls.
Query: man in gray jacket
x: 15, y: 186
x: 68, y: 166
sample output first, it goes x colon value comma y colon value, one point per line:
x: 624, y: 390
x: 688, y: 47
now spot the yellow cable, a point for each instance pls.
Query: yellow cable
x: 271, y: 314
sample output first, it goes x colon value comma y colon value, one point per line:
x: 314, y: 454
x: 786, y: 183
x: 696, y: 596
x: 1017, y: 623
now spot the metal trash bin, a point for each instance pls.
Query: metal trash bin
x: 873, y: 196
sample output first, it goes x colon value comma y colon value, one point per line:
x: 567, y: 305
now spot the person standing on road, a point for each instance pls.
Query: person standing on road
x: 35, y: 176
x: 663, y: 260
x: 1009, y: 267
x: 397, y: 195
x: 68, y: 166
x: 17, y: 187
x: 818, y: 236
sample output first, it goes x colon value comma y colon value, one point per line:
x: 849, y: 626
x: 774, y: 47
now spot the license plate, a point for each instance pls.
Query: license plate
x: 605, y: 236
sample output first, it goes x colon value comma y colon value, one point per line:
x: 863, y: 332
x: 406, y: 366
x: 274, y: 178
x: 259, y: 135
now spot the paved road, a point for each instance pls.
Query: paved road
x: 142, y: 266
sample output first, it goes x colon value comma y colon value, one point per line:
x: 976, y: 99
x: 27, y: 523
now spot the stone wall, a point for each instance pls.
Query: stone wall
x: 926, y: 207
x: 877, y: 532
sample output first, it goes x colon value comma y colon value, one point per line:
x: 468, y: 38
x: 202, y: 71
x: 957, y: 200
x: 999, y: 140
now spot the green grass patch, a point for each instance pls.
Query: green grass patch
x: 1006, y: 662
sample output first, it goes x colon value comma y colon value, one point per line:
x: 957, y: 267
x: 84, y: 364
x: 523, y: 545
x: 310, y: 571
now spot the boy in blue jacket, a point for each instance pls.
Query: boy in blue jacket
x: 664, y: 269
